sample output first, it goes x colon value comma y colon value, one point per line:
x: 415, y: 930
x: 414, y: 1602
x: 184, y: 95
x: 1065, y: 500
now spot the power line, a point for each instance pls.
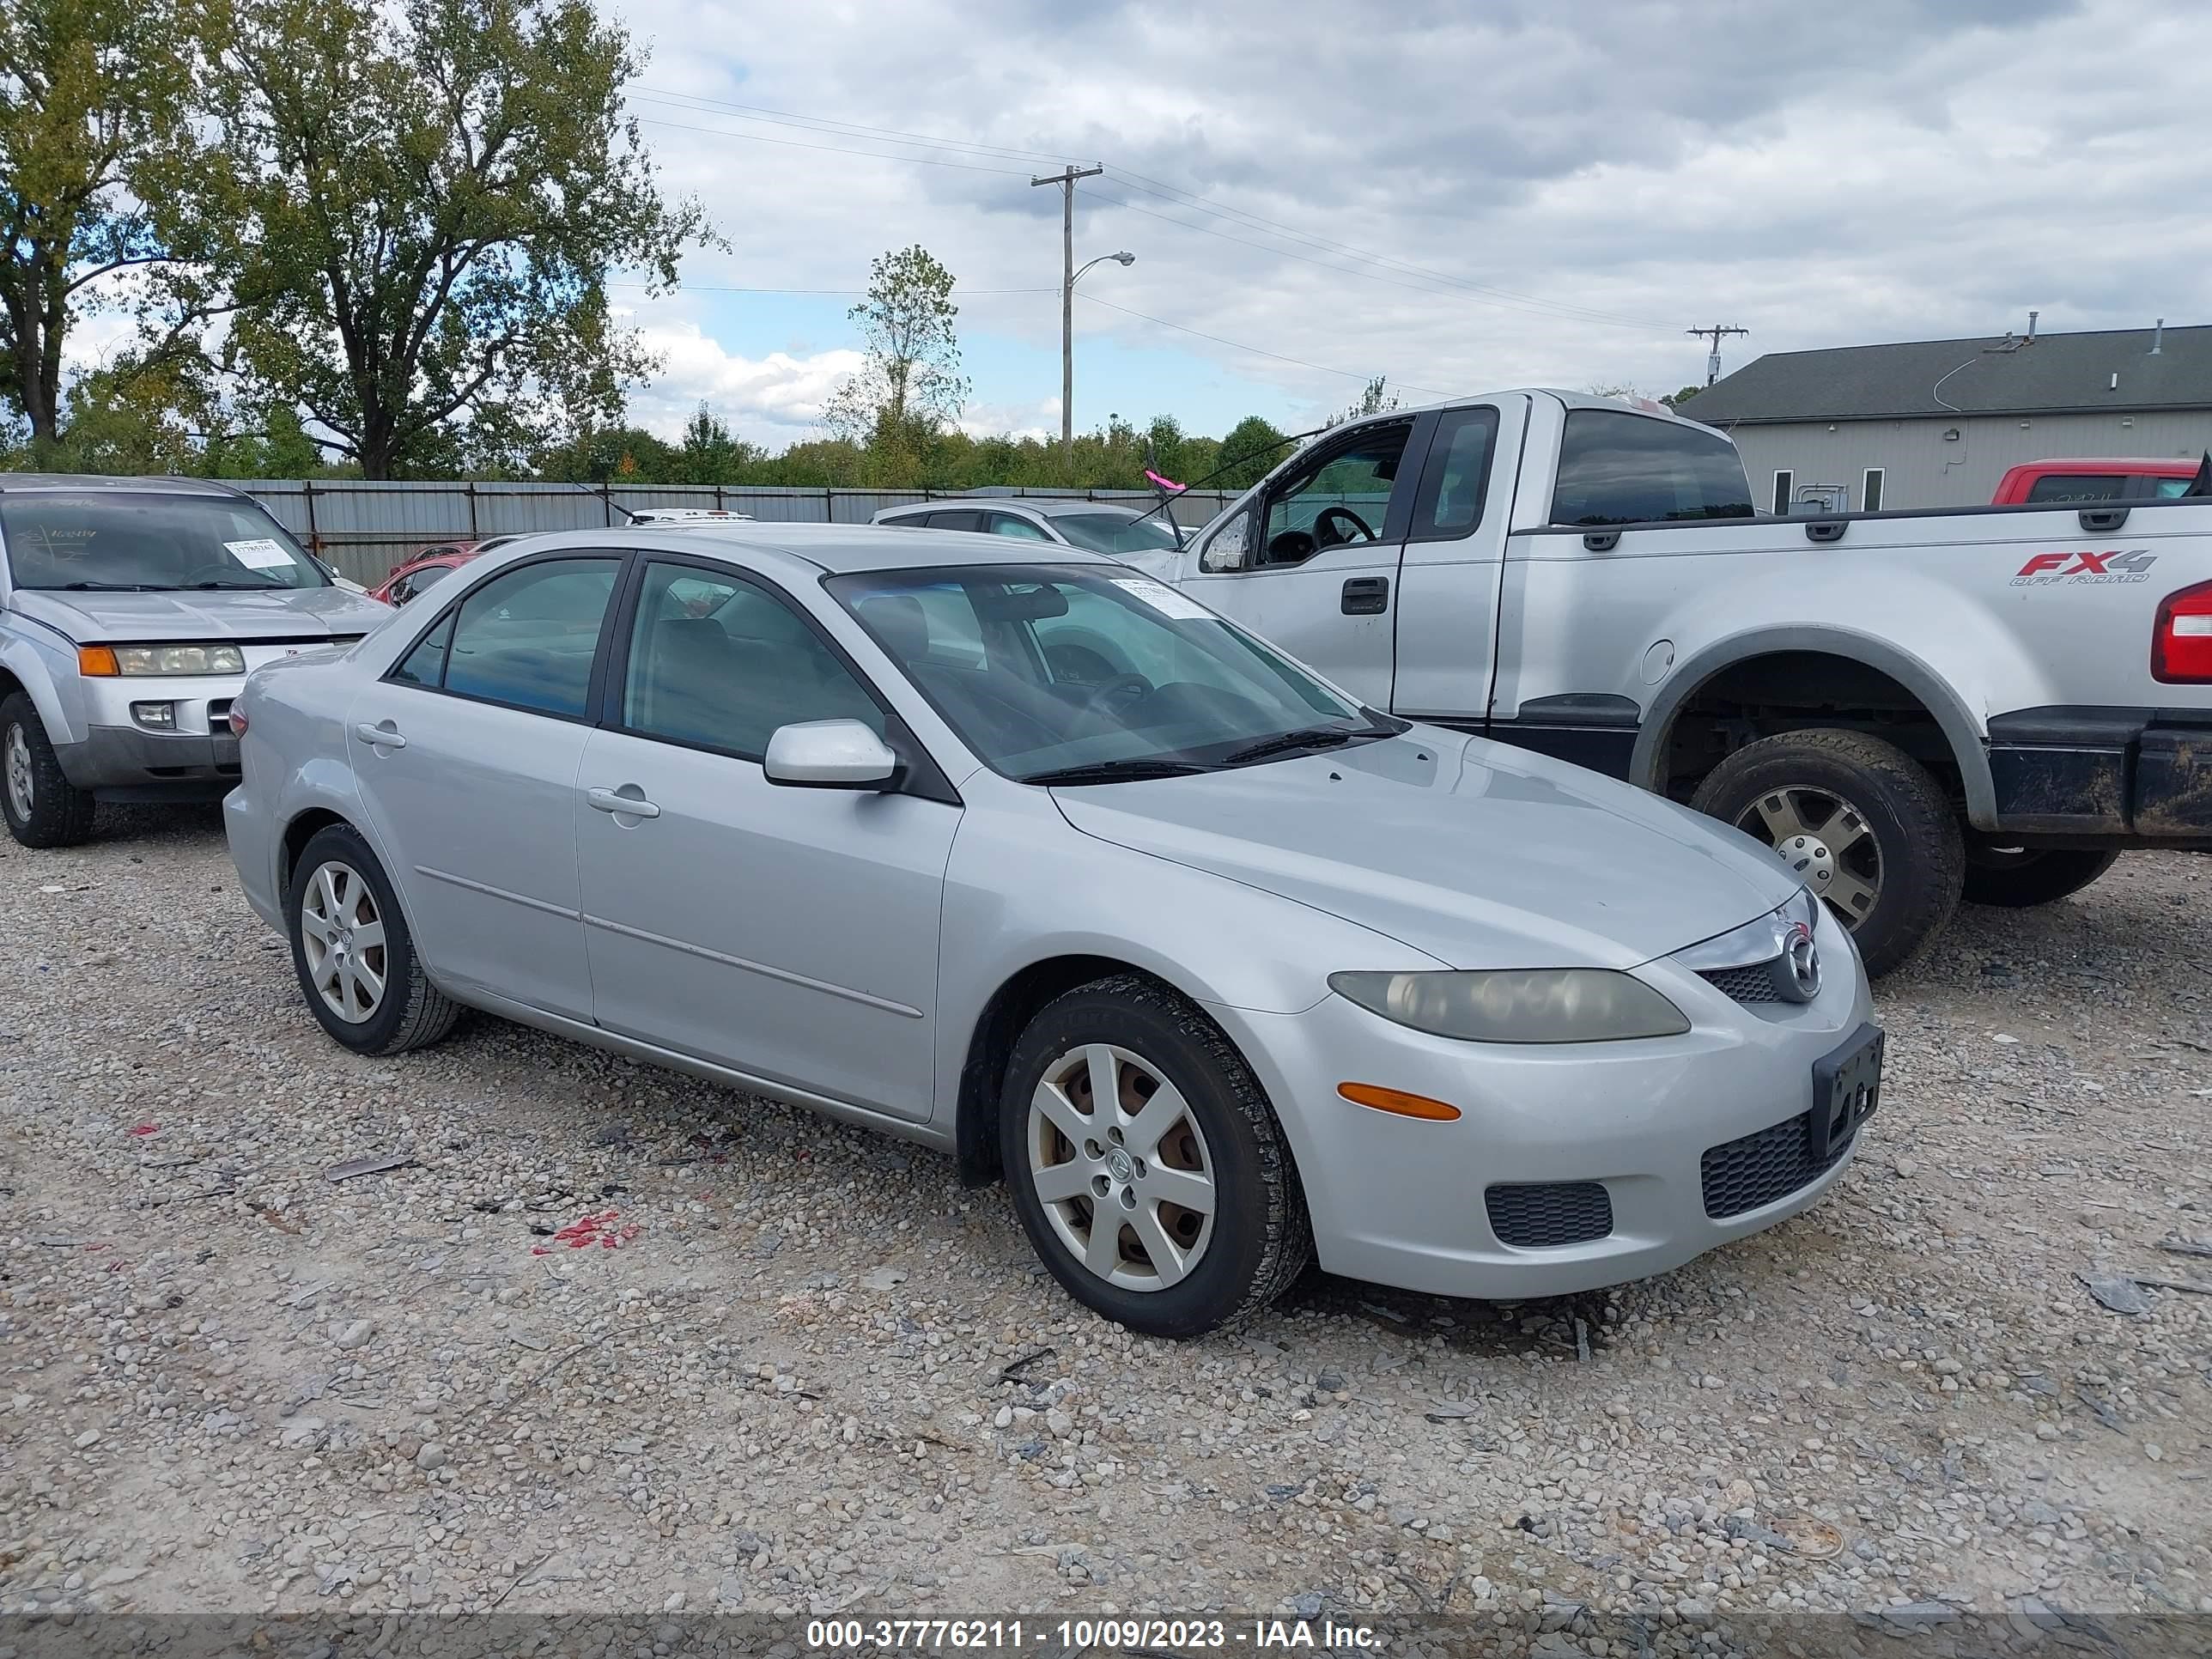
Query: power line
x: 1713, y: 363
x: 718, y: 288
x: 842, y: 128
x: 1260, y: 351
x: 833, y: 150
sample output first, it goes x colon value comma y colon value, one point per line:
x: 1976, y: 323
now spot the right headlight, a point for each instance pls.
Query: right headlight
x: 1517, y: 1004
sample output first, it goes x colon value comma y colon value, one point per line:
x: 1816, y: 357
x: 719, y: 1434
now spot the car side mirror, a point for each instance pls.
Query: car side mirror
x: 829, y: 755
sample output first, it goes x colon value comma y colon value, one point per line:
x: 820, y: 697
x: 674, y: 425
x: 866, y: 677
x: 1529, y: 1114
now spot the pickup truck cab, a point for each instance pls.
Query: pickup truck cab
x: 2095, y: 478
x: 131, y: 610
x: 1909, y: 707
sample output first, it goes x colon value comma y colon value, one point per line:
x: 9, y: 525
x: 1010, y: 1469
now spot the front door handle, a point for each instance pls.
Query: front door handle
x: 1366, y: 595
x: 386, y: 736
x: 630, y: 802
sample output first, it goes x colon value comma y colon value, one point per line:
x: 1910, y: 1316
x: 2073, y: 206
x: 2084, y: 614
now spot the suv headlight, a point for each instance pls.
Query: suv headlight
x: 1532, y: 1005
x: 100, y: 662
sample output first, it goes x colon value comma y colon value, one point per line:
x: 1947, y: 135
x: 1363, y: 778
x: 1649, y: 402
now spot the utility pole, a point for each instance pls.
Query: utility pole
x: 1066, y: 182
x: 1713, y: 361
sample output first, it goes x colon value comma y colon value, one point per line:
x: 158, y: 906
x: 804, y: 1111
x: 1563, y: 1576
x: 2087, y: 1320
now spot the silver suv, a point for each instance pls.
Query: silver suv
x: 130, y: 611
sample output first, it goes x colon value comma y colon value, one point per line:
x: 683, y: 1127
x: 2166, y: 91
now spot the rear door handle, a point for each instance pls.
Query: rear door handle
x: 386, y: 736
x: 1366, y: 595
x: 629, y: 806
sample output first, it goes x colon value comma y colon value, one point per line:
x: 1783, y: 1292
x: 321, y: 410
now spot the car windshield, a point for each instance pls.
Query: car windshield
x: 1112, y: 533
x: 1082, y: 674
x: 134, y: 540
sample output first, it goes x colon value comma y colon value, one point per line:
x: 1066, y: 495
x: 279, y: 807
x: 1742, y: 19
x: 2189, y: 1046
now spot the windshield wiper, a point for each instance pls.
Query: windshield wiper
x: 232, y: 588
x: 107, y: 588
x: 1286, y: 743
x: 1118, y: 771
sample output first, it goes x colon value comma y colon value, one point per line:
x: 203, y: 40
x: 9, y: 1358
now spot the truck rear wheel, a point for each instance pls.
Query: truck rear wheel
x: 1866, y: 825
x: 2016, y: 877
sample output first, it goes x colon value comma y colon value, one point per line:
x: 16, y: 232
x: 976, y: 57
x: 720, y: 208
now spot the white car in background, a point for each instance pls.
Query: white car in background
x: 1118, y: 532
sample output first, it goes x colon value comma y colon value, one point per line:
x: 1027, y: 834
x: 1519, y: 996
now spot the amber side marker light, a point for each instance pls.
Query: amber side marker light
x: 97, y: 662
x: 1397, y: 1100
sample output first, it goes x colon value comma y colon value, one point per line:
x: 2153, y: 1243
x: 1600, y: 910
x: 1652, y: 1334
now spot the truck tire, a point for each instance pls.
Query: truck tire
x: 2017, y: 878
x: 1865, y: 824
x: 42, y: 807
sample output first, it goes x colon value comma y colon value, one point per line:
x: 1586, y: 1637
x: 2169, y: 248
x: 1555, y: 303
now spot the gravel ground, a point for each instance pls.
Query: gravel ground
x: 795, y: 1368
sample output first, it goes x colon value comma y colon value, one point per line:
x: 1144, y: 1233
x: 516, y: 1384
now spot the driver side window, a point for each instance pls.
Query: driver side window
x: 1343, y: 497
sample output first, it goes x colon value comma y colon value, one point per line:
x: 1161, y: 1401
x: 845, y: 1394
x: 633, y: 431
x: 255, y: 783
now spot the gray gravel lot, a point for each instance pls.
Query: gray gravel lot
x: 797, y: 1368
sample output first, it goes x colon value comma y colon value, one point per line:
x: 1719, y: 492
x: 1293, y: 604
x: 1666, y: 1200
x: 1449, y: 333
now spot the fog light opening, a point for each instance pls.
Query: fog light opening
x: 157, y: 716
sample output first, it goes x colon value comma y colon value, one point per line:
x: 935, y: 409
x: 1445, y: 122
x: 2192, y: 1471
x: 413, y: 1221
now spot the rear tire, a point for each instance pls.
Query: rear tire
x: 1866, y: 825
x: 352, y: 954
x: 2016, y: 878
x: 1095, y: 1180
x: 42, y: 807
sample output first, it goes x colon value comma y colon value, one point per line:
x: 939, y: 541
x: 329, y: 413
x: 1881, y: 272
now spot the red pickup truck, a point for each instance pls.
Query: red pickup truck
x: 2095, y: 478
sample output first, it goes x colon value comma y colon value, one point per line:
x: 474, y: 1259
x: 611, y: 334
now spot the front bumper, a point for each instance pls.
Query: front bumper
x: 119, y: 759
x: 1414, y: 1203
x: 2126, y: 776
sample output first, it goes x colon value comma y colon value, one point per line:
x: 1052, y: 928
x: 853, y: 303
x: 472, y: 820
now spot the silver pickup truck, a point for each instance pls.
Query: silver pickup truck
x: 1908, y: 706
x: 131, y: 610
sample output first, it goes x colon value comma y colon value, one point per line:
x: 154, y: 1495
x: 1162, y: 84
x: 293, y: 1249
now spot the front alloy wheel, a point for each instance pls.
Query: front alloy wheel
x: 21, y: 784
x: 1120, y: 1166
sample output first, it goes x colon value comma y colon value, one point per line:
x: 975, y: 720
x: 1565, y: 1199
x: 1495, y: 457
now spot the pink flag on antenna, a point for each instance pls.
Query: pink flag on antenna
x: 1164, y: 484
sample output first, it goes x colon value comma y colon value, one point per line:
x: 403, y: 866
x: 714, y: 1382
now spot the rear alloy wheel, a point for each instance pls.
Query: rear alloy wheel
x: 353, y: 953
x: 2016, y: 877
x: 1860, y: 822
x: 1147, y: 1166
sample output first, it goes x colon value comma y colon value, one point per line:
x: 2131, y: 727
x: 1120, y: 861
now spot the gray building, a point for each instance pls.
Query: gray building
x: 1936, y: 423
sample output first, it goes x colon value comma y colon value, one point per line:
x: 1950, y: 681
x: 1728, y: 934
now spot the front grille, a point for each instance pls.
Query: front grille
x: 1752, y: 984
x: 1757, y: 1170
x: 1535, y: 1215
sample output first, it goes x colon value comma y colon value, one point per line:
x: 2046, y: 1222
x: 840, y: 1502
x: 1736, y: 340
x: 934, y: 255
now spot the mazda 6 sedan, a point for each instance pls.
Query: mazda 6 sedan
x: 1020, y: 854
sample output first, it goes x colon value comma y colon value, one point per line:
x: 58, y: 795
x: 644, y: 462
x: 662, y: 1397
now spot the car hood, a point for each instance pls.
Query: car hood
x: 288, y: 613
x: 1478, y: 854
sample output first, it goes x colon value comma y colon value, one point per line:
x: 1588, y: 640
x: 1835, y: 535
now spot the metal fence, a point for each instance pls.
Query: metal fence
x: 365, y: 528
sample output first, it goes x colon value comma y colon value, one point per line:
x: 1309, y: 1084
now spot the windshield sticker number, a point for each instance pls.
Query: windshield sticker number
x: 1163, y: 599
x: 259, y: 554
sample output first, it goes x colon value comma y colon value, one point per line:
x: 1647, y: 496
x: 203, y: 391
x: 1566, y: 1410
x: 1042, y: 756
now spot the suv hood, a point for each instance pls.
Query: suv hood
x: 1479, y: 854
x: 288, y: 613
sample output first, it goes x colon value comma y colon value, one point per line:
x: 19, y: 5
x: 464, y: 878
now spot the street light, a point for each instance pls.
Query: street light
x: 1067, y: 346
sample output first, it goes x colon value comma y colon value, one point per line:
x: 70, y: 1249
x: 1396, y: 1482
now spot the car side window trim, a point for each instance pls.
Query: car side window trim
x: 450, y: 613
x: 1438, y: 456
x: 924, y: 777
x: 1397, y: 511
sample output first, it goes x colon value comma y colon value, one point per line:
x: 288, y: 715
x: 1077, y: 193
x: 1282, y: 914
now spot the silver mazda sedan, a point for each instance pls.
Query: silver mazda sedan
x: 1018, y: 852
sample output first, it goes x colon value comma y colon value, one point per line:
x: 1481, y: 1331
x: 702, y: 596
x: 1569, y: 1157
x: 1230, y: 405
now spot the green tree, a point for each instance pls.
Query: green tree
x: 415, y: 209
x: 1675, y: 400
x: 1372, y: 401
x: 911, y: 386
x: 93, y: 98
x: 710, y: 454
x: 1248, y: 454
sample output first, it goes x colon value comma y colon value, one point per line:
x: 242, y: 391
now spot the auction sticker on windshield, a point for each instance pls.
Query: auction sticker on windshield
x: 1162, y: 599
x: 259, y: 554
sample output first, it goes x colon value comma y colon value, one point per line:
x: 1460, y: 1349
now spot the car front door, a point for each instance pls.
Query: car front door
x: 466, y: 755
x: 789, y: 934
x: 1312, y: 564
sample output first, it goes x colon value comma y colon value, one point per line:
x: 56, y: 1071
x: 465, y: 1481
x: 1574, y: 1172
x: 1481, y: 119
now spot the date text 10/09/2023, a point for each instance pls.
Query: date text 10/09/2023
x: 928, y: 1635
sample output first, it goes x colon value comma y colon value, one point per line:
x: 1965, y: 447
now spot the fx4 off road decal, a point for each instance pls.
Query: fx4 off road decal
x: 2090, y: 569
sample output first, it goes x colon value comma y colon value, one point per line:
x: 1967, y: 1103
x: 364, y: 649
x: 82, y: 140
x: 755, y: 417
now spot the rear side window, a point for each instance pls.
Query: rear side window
x: 1457, y: 476
x: 1006, y: 524
x: 525, y: 638
x: 2077, y: 487
x: 960, y: 519
x: 1636, y: 469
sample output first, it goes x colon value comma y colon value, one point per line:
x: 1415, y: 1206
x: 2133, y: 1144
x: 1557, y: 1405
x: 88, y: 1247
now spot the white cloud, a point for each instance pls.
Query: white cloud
x: 777, y: 399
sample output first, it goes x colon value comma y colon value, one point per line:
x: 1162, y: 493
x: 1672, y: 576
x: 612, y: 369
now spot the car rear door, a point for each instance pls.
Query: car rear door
x: 1312, y: 564
x: 789, y: 934
x: 466, y: 755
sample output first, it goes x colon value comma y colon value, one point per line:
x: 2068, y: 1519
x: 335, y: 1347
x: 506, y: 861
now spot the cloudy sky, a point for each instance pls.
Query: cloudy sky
x: 1459, y: 196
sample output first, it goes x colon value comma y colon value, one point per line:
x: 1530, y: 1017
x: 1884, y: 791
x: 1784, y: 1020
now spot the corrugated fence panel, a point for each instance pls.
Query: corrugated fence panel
x: 367, y: 528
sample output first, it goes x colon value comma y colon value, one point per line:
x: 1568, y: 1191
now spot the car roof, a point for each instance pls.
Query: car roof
x: 1045, y: 508
x: 2172, y: 466
x: 833, y: 548
x: 91, y: 482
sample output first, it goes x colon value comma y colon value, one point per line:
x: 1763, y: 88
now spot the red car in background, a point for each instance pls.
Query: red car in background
x: 2095, y: 478
x: 427, y: 565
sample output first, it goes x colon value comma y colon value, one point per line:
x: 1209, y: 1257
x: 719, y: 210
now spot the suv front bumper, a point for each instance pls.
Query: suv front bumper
x: 2139, y: 776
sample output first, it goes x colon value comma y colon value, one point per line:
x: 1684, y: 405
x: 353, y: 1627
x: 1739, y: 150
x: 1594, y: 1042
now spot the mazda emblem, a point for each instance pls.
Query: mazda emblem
x: 1799, y: 975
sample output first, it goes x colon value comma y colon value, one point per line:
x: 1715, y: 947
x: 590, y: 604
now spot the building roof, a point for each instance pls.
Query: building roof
x: 2054, y: 374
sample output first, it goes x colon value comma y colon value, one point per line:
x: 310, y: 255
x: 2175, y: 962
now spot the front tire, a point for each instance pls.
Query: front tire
x: 1865, y: 824
x: 1146, y: 1165
x: 2018, y: 878
x: 352, y: 954
x: 42, y: 807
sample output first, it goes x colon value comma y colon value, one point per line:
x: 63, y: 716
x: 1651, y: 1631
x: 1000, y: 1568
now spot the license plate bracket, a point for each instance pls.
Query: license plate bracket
x: 1847, y: 1090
